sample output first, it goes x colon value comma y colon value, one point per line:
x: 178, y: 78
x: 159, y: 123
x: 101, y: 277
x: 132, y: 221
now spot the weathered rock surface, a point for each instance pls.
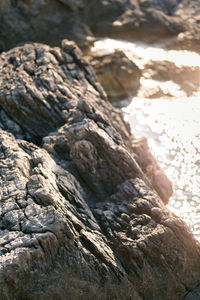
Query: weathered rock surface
x: 42, y: 21
x: 43, y: 88
x: 118, y: 75
x: 79, y: 219
x: 194, y: 294
x: 189, y: 12
x: 51, y: 21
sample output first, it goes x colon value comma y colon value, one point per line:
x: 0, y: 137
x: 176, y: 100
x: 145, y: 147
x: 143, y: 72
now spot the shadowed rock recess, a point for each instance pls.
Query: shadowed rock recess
x: 79, y: 218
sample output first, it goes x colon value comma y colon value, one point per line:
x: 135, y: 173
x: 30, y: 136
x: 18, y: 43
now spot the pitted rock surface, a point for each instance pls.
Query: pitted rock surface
x: 52, y: 222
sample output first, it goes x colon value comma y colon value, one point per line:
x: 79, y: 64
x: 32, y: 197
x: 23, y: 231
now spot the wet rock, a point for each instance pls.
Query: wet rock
x: 119, y: 76
x: 78, y: 217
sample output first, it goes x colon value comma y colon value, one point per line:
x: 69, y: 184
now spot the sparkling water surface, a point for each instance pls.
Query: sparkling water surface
x: 171, y: 124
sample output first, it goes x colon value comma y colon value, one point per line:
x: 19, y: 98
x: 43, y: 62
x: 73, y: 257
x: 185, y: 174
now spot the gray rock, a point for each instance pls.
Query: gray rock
x: 188, y: 78
x: 49, y: 248
x: 44, y: 87
x: 119, y: 76
x: 42, y: 21
x: 35, y: 92
x: 151, y: 169
x: 52, y: 21
x: 145, y: 19
x: 78, y: 217
x: 194, y: 294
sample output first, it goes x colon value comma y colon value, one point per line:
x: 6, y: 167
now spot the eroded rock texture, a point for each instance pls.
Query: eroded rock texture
x: 43, y: 88
x: 79, y: 219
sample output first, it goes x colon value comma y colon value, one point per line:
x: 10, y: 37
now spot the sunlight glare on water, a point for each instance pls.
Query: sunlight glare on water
x: 171, y: 123
x: 173, y: 131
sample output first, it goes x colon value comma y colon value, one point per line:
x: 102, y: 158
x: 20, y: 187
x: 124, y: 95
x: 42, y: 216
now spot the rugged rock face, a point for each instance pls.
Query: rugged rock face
x: 51, y: 21
x: 44, y: 88
x: 119, y: 76
x: 79, y: 219
x: 153, y: 20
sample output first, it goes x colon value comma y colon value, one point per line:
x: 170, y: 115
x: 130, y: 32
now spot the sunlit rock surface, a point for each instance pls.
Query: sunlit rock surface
x: 44, y: 88
x: 79, y: 219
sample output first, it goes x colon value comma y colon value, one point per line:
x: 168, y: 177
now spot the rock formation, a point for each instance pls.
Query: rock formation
x: 118, y: 75
x: 51, y: 21
x: 44, y: 88
x: 79, y: 218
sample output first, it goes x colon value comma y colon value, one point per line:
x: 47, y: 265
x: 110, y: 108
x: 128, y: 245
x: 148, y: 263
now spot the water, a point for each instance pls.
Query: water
x: 170, y: 121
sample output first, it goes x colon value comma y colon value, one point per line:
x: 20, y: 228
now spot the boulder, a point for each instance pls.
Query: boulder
x: 176, y: 21
x: 187, y: 40
x: 41, y: 86
x: 118, y: 75
x: 79, y: 218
